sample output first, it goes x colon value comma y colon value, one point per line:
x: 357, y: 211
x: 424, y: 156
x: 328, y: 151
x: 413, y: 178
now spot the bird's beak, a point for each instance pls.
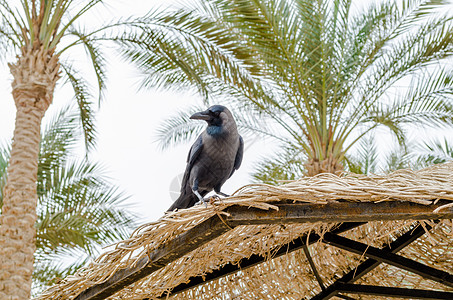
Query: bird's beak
x: 202, y: 115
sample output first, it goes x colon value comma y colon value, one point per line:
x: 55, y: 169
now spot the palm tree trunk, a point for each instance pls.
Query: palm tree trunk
x: 328, y: 165
x: 35, y: 75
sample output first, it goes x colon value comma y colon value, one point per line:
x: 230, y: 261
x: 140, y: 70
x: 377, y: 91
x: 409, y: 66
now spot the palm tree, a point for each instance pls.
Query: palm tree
x: 78, y: 209
x: 34, y: 31
x: 317, y: 76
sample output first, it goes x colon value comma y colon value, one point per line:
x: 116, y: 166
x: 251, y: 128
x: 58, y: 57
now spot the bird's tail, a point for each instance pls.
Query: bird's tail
x: 185, y: 200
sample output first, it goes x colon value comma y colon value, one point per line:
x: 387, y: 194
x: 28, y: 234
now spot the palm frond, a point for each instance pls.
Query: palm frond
x: 426, y: 46
x: 80, y: 210
x: 96, y: 57
x: 58, y: 139
x: 287, y: 164
x: 82, y: 96
x: 48, y: 272
x: 174, y: 60
x: 365, y: 160
x: 398, y: 158
x: 5, y: 150
x: 428, y: 101
x: 61, y: 9
x: 414, y: 155
x: 383, y: 115
x: 10, y: 34
x: 251, y: 127
x: 435, y: 152
x: 179, y: 128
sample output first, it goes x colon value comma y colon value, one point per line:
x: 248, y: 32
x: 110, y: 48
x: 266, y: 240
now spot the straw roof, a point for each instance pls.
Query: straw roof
x: 285, y: 242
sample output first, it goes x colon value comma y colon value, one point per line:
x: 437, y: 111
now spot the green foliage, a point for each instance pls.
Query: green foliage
x: 399, y: 158
x: 43, y: 22
x: 82, y: 96
x: 415, y: 155
x: 4, y: 158
x: 322, y: 75
x: 435, y: 152
x: 79, y: 210
x: 286, y: 165
x: 52, y: 25
x: 178, y: 129
x: 47, y: 272
x: 365, y: 161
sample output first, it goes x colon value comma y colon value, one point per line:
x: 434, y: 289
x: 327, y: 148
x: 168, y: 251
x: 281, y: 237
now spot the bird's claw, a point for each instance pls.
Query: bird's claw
x: 213, y: 199
x: 203, y: 201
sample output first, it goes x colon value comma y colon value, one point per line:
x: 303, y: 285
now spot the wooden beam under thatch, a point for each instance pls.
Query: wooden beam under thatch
x: 241, y: 215
x: 389, y: 258
x: 370, y: 264
x: 227, y: 269
x: 301, y: 242
x: 385, y: 291
x: 336, y: 212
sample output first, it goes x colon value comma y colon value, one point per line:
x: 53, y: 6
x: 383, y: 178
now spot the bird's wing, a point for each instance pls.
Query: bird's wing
x: 194, y: 152
x: 239, y: 154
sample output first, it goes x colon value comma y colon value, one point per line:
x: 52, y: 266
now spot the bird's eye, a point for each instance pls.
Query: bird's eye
x: 214, y: 113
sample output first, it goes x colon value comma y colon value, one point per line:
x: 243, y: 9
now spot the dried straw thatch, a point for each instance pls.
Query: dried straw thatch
x: 288, y: 276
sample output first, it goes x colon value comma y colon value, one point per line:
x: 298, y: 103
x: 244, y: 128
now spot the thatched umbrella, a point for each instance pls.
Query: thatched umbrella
x: 316, y: 237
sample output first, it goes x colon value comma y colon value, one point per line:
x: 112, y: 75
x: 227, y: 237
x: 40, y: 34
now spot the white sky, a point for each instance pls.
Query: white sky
x: 127, y: 123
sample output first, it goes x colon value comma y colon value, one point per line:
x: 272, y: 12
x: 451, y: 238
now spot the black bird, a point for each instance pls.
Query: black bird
x: 213, y: 158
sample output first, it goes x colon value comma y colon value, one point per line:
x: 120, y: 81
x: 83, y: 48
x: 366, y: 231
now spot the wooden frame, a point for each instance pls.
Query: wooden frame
x: 240, y: 215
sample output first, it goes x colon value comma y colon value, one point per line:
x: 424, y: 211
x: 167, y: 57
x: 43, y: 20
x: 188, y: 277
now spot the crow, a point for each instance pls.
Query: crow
x: 212, y: 159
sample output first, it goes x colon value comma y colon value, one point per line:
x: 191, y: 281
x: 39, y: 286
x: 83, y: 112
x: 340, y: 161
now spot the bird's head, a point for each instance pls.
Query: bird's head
x: 219, y: 119
x: 216, y: 115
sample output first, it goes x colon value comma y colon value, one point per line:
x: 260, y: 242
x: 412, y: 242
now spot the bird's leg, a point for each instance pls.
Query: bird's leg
x: 200, y: 197
x: 218, y: 192
x: 195, y: 191
x: 216, y: 197
x: 222, y: 194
